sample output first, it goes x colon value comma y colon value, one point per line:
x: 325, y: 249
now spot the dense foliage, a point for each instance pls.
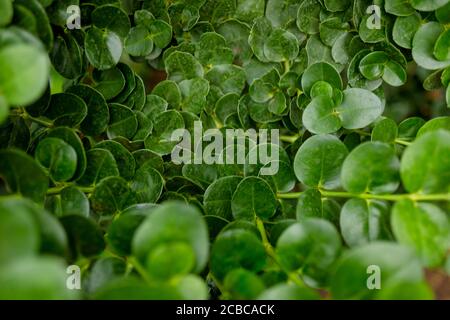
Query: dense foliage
x: 86, y: 174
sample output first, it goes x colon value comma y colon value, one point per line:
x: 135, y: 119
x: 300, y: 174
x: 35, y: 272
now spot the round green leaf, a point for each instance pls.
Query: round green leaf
x: 103, y: 48
x: 253, y: 198
x: 110, y: 196
x: 100, y: 164
x: 428, y: 5
x: 173, y: 221
x: 441, y: 48
x: 371, y: 167
x: 312, y: 245
x: 169, y: 260
x: 281, y: 46
x: 359, y: 108
x: 217, y: 198
x: 58, y: 157
x: 111, y: 18
x: 424, y: 45
x: 138, y: 42
x: 66, y: 109
x: 319, y: 160
x: 320, y: 116
x: 236, y: 248
x: 363, y: 221
x: 425, y: 167
x: 23, y: 175
x: 398, y: 266
x: 24, y: 72
x: 182, y: 66
x: 123, y: 121
x: 405, y: 28
x: 321, y: 71
x: 424, y: 227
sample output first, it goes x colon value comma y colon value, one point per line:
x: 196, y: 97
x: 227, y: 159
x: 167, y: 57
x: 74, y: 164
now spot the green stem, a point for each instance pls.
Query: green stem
x: 386, y: 197
x: 42, y: 122
x: 140, y: 269
x: 287, y: 66
x: 57, y: 190
x: 271, y: 253
x: 290, y: 139
x: 402, y: 142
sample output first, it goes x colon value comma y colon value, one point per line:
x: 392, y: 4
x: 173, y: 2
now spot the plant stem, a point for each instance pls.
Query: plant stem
x: 57, y: 190
x: 287, y: 66
x: 290, y: 139
x: 44, y: 123
x: 387, y: 197
x: 140, y: 269
x: 271, y: 253
x: 402, y: 142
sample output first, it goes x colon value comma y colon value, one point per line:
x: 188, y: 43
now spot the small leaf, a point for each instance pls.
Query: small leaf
x: 312, y: 245
x: 424, y: 44
x: 281, y: 46
x: 319, y: 160
x: 253, y: 198
x: 182, y: 66
x: 58, y: 157
x: 424, y: 227
x: 320, y: 116
x: 424, y: 166
x: 100, y: 164
x: 363, y: 221
x: 371, y: 167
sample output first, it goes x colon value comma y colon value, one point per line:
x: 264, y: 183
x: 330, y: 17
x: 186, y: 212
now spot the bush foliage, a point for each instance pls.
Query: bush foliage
x: 86, y: 174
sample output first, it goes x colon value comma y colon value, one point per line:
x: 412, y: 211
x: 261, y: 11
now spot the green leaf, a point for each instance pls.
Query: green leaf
x: 165, y: 124
x: 147, y: 185
x: 397, y: 264
x: 109, y: 82
x: 182, y: 66
x: 100, y: 164
x: 35, y: 278
x: 70, y: 201
x: 320, y: 116
x: 439, y: 123
x: 321, y: 71
x: 138, y: 42
x: 24, y: 72
x: 71, y: 138
x: 355, y: 114
x: 424, y: 45
x: 319, y: 160
x: 6, y: 8
x: 428, y: 5
x: 111, y: 18
x: 337, y: 5
x: 97, y: 118
x: 311, y: 205
x: 194, y: 92
x: 110, y: 196
x: 243, y: 284
x: 405, y: 28
x: 281, y: 46
x: 43, y: 29
x: 399, y: 7
x: 160, y: 32
x: 23, y: 175
x: 249, y: 10
x: 424, y: 166
x: 312, y: 246
x: 253, y: 198
x: 371, y: 167
x: 385, y: 130
x: 363, y: 221
x: 123, y: 121
x: 424, y: 227
x: 229, y: 78
x: 125, y: 161
x: 173, y: 222
x: 19, y: 231
x: 66, y: 56
x: 66, y: 109
x: 236, y: 248
x: 85, y: 236
x: 212, y: 49
x: 441, y: 48
x: 372, y: 65
x: 58, y: 157
x: 218, y: 196
x: 170, y: 260
x: 103, y: 48
x: 258, y: 36
x: 169, y: 91
x: 123, y: 228
x: 308, y: 16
